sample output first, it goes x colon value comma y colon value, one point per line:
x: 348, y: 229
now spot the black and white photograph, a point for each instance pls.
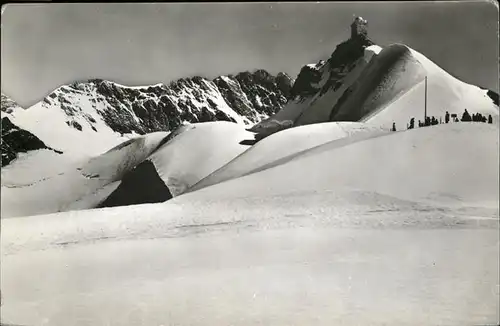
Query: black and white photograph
x: 250, y: 163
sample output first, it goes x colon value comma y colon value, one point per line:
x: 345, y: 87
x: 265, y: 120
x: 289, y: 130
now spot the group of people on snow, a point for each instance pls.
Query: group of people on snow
x: 476, y: 117
x: 431, y: 121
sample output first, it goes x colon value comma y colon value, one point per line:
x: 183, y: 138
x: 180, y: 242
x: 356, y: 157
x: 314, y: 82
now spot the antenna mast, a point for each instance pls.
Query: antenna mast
x: 425, y: 102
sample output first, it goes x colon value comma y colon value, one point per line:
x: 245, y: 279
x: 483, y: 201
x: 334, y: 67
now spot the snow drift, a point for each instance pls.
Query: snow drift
x: 283, y: 144
x: 430, y: 164
x: 198, y: 152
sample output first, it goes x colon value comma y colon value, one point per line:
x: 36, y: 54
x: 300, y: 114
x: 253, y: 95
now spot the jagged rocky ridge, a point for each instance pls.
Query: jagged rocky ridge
x: 96, y: 109
x: 245, y: 98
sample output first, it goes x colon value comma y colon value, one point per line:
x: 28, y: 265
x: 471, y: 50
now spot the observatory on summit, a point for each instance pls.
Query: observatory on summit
x: 359, y: 27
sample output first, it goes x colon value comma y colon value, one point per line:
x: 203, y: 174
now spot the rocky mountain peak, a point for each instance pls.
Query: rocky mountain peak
x: 340, y: 63
x: 359, y: 28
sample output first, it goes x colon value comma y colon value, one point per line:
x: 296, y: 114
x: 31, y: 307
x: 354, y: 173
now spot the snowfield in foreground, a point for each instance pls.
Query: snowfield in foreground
x: 392, y: 229
x: 248, y: 263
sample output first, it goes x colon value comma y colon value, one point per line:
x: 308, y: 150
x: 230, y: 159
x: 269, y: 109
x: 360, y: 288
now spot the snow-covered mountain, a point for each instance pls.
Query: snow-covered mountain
x: 361, y: 82
x: 16, y: 140
x: 99, y: 114
x: 327, y: 222
x: 382, y: 85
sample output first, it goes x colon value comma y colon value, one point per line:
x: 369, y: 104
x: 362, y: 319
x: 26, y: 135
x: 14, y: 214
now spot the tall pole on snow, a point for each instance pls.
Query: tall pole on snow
x: 425, y: 101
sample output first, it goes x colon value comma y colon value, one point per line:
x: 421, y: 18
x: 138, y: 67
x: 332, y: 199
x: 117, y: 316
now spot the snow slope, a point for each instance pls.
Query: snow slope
x: 337, y: 235
x: 390, y: 74
x: 41, y: 183
x: 318, y: 87
x: 430, y: 165
x: 197, y: 152
x: 444, y: 93
x: 59, y: 129
x: 321, y: 104
x: 283, y: 144
x: 383, y: 86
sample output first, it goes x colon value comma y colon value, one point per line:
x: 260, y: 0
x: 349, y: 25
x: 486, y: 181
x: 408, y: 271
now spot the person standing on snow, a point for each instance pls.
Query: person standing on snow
x: 466, y: 116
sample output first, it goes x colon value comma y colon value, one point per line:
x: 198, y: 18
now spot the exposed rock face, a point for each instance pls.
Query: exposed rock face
x: 145, y: 177
x: 265, y: 91
x: 246, y: 98
x: 306, y: 83
x: 8, y: 105
x: 341, y: 63
x: 349, y: 51
x: 319, y: 86
x: 284, y: 83
x: 380, y: 83
x: 16, y: 140
x: 359, y: 28
x: 493, y: 95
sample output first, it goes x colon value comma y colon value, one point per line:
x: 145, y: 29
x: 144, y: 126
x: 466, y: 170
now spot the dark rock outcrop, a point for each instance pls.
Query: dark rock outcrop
x: 359, y: 28
x: 340, y: 64
x: 141, y: 185
x: 376, y: 86
x: 262, y: 90
x: 255, y: 95
x: 305, y: 85
x: 493, y: 95
x: 16, y: 140
x: 349, y: 51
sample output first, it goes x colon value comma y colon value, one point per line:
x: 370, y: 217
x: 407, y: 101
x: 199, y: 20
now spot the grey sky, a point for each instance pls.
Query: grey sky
x: 46, y: 45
